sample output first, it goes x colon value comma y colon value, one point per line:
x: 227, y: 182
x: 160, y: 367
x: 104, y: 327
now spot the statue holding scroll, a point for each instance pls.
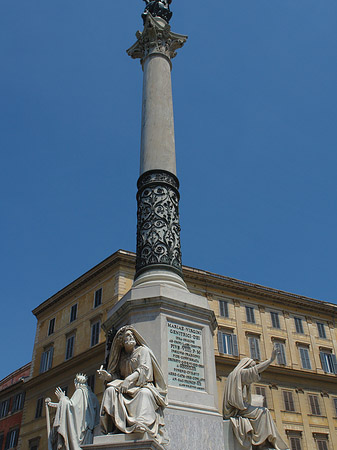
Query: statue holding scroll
x: 75, y: 418
x: 135, y: 393
x: 252, y: 425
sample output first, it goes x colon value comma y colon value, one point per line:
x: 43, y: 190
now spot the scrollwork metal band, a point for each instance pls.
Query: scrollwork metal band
x: 158, y: 228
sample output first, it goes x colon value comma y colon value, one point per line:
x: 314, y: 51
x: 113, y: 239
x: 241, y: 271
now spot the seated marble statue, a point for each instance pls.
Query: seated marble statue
x: 252, y: 425
x: 135, y: 393
x: 75, y: 418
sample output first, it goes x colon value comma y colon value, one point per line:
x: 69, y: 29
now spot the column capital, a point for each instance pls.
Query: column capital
x: 156, y: 38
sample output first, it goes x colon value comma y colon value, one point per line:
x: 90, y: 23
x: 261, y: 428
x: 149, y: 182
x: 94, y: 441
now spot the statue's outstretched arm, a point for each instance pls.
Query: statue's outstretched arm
x: 265, y: 364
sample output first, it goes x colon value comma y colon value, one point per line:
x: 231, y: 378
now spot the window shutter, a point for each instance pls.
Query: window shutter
x: 258, y: 356
x: 223, y: 308
x: 334, y: 363
x: 281, y: 356
x: 252, y: 347
x: 16, y: 437
x: 305, y: 358
x: 7, y: 440
x: 42, y: 363
x: 323, y: 362
x: 50, y: 359
x: 235, y: 345
x: 312, y: 405
x: 220, y: 342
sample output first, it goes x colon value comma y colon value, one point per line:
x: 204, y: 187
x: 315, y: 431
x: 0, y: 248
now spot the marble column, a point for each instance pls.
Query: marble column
x: 158, y: 227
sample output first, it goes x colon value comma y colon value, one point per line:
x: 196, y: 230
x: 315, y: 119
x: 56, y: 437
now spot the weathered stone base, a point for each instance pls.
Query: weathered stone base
x: 189, y: 430
x: 230, y: 441
x: 133, y: 441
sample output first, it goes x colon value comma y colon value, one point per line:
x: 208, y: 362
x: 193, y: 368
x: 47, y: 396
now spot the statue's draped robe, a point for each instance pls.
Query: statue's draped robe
x: 75, y: 420
x: 251, y: 424
x: 141, y: 408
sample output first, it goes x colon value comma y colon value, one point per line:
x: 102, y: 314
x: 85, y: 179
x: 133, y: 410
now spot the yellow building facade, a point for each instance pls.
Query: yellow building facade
x: 299, y: 388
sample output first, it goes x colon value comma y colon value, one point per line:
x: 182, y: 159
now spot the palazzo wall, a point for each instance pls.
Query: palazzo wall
x: 300, y: 389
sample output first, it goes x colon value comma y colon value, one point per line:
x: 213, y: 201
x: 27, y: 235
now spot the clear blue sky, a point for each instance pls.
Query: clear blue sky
x: 255, y: 106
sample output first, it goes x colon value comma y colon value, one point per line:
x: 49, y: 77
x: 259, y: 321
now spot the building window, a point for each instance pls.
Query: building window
x: 335, y: 405
x: 1, y: 440
x: 73, y: 313
x: 91, y: 382
x: 46, y: 359
x: 295, y: 443
x: 261, y: 390
x: 298, y: 325
x: 250, y: 314
x: 34, y: 443
x: 254, y: 346
x: 51, y: 327
x: 321, y: 330
x: 314, y: 405
x: 18, y: 402
x: 275, y: 319
x: 70, y: 347
x: 12, y: 438
x: 329, y: 362
x: 227, y: 343
x: 281, y: 353
x: 223, y: 308
x: 322, y: 443
x: 4, y: 408
x: 95, y: 329
x: 288, y: 400
x: 98, y: 298
x: 305, y: 358
x: 39, y: 408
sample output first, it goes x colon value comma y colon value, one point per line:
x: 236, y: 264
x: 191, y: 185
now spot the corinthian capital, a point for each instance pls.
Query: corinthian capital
x: 156, y: 37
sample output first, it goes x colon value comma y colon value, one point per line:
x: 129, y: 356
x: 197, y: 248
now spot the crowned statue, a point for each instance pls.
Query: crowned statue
x: 75, y: 417
x: 135, y: 393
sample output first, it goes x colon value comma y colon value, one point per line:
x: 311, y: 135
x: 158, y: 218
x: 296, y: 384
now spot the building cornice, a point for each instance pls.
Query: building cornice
x: 286, y: 372
x: 259, y: 291
x: 119, y: 257
x: 205, y: 279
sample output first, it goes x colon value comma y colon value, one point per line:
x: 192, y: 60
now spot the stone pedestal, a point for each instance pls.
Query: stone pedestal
x: 178, y: 326
x: 133, y: 441
x: 230, y: 441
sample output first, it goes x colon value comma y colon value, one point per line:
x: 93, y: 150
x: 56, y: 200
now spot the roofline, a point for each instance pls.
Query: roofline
x: 7, y: 377
x: 261, y: 291
x: 111, y: 260
x: 190, y: 272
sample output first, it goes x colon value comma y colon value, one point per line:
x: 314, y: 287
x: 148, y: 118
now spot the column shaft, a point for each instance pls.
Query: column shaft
x: 157, y: 149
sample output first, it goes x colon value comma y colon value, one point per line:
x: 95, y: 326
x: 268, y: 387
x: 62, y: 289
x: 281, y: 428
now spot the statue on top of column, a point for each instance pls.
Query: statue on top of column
x: 158, y: 8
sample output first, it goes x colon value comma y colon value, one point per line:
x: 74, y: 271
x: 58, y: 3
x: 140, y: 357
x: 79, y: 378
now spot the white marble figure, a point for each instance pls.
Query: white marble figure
x: 135, y: 394
x: 252, y: 425
x: 75, y: 418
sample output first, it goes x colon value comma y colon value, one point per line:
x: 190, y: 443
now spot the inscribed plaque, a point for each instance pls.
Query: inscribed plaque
x: 185, y: 357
